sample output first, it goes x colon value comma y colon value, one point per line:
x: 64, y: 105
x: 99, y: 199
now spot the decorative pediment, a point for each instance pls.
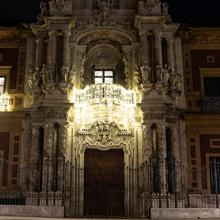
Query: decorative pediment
x: 105, y: 136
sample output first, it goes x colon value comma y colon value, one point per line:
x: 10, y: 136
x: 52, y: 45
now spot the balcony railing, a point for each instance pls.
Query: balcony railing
x: 211, y: 104
x: 104, y: 103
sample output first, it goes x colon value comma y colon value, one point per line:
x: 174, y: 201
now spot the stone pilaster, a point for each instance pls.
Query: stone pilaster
x: 51, y: 55
x: 179, y: 171
x: 144, y: 49
x: 63, y: 136
x: 162, y: 156
x: 170, y: 52
x: 34, y: 159
x: 38, y: 57
x: 66, y: 49
x: 158, y: 48
x: 48, y: 165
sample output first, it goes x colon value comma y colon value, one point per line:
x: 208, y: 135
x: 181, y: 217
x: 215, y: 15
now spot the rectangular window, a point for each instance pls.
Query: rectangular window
x: 211, y: 86
x: 215, y: 174
x: 103, y: 76
x: 2, y: 84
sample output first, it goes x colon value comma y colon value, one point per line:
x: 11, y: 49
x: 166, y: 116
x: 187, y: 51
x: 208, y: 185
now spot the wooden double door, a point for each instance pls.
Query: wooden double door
x: 104, y: 183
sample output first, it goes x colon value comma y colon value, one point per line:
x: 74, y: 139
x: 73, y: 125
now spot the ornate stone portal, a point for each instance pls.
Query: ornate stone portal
x: 67, y: 113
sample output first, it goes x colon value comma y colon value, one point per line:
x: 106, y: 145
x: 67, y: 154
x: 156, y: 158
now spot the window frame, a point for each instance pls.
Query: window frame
x: 207, y: 72
x: 103, y: 76
x: 5, y: 71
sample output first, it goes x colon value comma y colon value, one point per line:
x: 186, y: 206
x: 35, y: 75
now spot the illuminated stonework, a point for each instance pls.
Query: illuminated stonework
x: 4, y: 102
x: 104, y: 103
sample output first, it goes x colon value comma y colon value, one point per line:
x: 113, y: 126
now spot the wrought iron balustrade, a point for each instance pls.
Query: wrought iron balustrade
x: 211, y: 104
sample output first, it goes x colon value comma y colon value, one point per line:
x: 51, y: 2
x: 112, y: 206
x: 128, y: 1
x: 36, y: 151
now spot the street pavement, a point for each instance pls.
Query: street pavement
x: 37, y: 218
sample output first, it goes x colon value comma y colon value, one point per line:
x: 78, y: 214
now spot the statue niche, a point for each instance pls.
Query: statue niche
x: 104, y: 57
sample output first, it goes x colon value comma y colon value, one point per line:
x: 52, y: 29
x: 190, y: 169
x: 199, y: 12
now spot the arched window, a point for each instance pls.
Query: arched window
x: 40, y: 159
x: 55, y: 155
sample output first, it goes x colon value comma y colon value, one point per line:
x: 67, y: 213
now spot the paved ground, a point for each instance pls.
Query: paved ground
x: 35, y: 218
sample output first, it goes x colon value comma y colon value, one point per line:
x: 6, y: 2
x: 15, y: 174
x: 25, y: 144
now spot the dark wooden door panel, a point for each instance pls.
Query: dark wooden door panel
x: 104, y: 183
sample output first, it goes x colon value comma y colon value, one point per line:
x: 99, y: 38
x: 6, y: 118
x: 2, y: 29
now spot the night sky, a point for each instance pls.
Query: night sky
x: 192, y: 12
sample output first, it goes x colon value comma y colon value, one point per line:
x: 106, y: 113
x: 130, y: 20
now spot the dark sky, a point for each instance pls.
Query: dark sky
x: 193, y: 12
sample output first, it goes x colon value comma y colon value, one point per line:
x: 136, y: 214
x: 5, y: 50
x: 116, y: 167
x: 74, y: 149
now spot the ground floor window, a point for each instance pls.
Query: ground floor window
x: 215, y: 174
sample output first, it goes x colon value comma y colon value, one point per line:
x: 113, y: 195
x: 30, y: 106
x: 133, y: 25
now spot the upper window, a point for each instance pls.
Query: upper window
x: 211, y: 86
x: 103, y: 76
x: 2, y: 84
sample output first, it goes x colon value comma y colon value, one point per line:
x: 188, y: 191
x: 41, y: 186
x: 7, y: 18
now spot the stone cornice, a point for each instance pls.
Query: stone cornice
x: 11, y: 33
x: 200, y: 35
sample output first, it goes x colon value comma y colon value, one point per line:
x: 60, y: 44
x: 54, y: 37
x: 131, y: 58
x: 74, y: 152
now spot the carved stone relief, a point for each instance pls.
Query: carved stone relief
x: 105, y: 136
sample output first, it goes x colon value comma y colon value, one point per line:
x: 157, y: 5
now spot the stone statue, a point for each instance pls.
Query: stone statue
x: 104, y: 10
x: 36, y: 77
x: 145, y: 72
x: 165, y: 8
x: 44, y: 11
x: 40, y: 78
x: 159, y: 73
x: 178, y: 83
x: 44, y: 74
x: 172, y: 80
x: 166, y: 74
x: 51, y: 72
x: 72, y: 74
x: 137, y: 75
x: 65, y: 73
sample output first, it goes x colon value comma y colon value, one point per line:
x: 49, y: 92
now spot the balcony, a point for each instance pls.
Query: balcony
x: 104, y: 103
x: 211, y: 104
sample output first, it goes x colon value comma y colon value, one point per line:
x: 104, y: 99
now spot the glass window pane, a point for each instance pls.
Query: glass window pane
x: 109, y: 80
x: 98, y: 80
x: 109, y: 73
x: 98, y: 73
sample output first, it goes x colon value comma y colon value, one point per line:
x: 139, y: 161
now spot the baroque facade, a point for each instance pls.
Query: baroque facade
x: 94, y: 108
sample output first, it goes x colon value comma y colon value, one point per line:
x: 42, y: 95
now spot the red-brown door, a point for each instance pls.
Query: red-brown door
x: 104, y: 183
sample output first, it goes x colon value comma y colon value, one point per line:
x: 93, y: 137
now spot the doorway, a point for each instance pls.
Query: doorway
x: 104, y: 183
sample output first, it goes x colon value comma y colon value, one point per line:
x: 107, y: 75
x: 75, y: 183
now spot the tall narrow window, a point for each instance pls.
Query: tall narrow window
x: 40, y: 159
x: 55, y: 156
x: 103, y: 76
x: 2, y: 84
x: 170, y: 163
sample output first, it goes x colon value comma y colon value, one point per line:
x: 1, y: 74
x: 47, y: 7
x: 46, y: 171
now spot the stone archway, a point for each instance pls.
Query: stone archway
x: 116, y: 140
